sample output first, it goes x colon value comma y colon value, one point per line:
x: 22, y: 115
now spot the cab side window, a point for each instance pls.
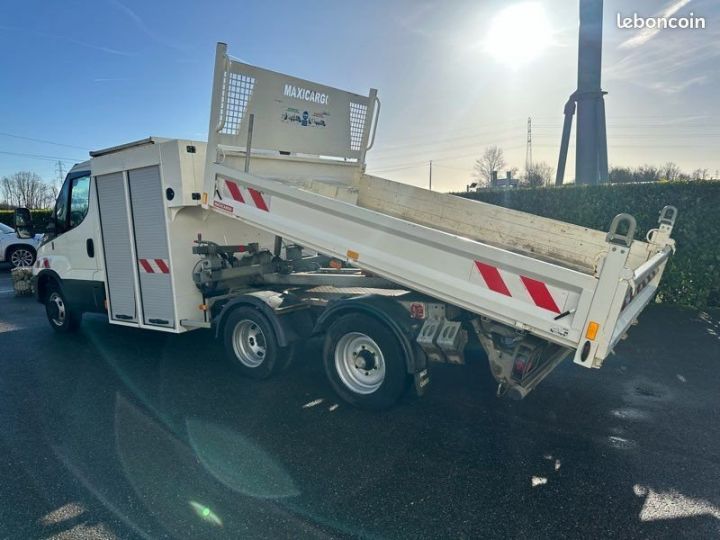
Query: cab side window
x: 79, y: 199
x: 72, y: 203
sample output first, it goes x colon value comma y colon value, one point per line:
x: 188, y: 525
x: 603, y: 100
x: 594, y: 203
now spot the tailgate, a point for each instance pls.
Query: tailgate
x: 622, y: 292
x: 641, y: 291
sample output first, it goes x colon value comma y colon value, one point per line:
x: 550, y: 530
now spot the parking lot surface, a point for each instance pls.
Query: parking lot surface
x: 121, y: 433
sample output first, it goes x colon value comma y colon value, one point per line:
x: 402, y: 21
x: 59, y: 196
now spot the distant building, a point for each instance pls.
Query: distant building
x: 495, y: 182
x: 507, y: 182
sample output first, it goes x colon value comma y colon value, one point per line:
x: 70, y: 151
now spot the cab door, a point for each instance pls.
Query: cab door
x: 71, y: 252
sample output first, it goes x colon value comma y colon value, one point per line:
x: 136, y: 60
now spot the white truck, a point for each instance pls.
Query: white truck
x: 272, y: 233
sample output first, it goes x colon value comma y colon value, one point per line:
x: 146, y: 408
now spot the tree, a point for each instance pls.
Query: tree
x: 671, y: 172
x: 647, y: 173
x: 491, y: 160
x: 26, y: 189
x: 650, y: 173
x: 621, y: 175
x: 539, y: 174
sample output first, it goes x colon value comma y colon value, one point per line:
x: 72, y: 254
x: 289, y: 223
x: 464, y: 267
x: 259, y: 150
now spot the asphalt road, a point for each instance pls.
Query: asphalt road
x: 120, y: 433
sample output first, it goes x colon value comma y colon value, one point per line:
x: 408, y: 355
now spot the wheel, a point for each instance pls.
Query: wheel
x: 61, y: 318
x: 251, y: 345
x: 364, y: 362
x: 20, y: 256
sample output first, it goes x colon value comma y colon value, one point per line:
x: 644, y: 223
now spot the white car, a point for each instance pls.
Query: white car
x: 17, y: 251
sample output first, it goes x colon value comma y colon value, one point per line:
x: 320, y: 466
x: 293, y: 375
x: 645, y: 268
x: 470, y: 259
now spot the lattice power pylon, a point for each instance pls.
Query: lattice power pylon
x: 60, y: 170
x: 528, y: 148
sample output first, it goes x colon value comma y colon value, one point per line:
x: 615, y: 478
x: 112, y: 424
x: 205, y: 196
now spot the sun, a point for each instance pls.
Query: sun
x: 518, y: 34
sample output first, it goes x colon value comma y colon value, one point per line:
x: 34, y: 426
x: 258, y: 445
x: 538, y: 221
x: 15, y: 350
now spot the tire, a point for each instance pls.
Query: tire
x: 60, y: 317
x: 364, y: 362
x: 251, y: 345
x: 21, y: 256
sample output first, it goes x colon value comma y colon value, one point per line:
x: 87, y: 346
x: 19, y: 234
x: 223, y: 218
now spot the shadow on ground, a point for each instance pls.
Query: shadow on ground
x: 120, y: 432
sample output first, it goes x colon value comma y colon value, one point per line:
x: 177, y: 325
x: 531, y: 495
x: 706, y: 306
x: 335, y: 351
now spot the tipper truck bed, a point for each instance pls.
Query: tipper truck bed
x: 292, y: 239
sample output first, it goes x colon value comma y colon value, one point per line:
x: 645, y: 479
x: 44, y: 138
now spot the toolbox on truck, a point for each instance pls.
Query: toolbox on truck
x: 148, y: 197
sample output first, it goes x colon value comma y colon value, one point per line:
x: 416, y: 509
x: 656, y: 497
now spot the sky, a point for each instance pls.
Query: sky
x: 453, y: 76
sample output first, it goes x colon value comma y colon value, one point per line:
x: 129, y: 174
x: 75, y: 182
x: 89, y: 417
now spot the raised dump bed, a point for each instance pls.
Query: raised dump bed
x: 287, y: 155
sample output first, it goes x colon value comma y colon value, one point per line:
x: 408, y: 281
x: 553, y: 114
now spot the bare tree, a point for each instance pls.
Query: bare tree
x: 648, y: 173
x: 621, y: 175
x: 26, y: 189
x: 670, y: 171
x: 491, y: 160
x: 540, y: 174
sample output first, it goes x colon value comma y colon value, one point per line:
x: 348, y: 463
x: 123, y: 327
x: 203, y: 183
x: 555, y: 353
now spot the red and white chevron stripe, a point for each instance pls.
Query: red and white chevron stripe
x: 154, y: 266
x: 520, y: 287
x: 246, y: 195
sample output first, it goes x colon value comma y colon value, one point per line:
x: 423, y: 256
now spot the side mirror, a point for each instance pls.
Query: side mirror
x: 50, y: 227
x: 23, y: 223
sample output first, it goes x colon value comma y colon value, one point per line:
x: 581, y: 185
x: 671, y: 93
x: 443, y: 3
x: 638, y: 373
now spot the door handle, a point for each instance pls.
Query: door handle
x: 90, y: 247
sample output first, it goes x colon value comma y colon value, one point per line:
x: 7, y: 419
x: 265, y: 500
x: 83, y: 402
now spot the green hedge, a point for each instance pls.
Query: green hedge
x: 693, y: 274
x: 40, y: 218
x: 692, y: 277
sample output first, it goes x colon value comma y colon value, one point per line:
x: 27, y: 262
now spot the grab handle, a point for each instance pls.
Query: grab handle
x: 668, y: 215
x: 614, y: 237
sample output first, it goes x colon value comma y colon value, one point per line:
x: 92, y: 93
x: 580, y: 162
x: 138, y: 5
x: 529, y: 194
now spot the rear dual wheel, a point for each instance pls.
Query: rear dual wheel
x: 364, y: 362
x: 363, y: 359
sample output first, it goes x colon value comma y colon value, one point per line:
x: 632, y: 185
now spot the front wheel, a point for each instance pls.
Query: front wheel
x: 364, y: 362
x: 61, y: 317
x: 251, y: 345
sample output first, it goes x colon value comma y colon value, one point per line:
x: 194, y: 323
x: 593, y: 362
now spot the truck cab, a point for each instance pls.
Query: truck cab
x: 120, y: 237
x: 68, y: 272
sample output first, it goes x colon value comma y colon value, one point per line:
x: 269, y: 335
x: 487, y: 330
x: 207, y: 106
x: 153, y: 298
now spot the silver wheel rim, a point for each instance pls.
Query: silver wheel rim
x: 56, y: 299
x: 359, y: 363
x: 21, y: 257
x: 249, y: 343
